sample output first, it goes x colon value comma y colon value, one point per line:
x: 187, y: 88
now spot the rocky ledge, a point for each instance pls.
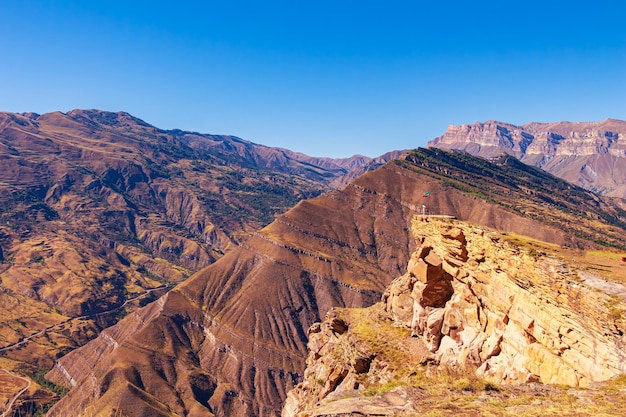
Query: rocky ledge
x: 482, y: 319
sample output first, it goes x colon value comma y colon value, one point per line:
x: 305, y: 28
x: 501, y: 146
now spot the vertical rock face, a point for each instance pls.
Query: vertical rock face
x: 592, y: 155
x: 471, y: 301
x: 479, y: 301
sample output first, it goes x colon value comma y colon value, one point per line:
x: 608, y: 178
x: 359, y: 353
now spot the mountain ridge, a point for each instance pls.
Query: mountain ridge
x: 124, y: 119
x: 99, y: 208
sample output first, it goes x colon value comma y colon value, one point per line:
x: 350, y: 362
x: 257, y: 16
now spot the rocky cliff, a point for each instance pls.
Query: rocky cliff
x: 231, y: 340
x: 591, y: 155
x: 477, y: 307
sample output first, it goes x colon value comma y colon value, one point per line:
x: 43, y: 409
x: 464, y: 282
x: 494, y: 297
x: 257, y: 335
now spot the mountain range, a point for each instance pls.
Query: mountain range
x: 165, y: 273
x: 101, y: 212
x: 231, y: 340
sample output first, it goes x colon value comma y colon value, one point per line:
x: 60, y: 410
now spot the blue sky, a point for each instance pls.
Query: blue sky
x: 327, y: 78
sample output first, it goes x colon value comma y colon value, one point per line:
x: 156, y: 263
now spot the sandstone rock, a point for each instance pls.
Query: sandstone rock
x: 501, y: 320
x: 498, y: 311
x: 397, y: 402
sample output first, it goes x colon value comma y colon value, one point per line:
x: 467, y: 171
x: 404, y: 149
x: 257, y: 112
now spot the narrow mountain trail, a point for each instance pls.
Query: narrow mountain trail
x: 84, y: 317
x: 9, y: 406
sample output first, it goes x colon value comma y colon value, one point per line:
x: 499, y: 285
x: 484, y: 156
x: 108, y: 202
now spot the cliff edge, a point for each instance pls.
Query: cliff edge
x: 588, y: 154
x: 480, y: 322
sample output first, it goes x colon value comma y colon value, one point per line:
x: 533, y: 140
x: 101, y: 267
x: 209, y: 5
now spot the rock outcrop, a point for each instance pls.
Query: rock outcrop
x: 591, y: 155
x: 473, y: 302
x: 479, y: 301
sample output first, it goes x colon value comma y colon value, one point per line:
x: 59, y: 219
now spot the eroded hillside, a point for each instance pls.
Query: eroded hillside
x: 231, y: 340
x: 101, y: 212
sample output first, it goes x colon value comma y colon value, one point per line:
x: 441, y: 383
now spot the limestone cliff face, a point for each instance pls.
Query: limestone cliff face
x: 472, y: 300
x: 592, y: 155
x: 488, y: 135
x: 480, y: 301
x: 547, y: 139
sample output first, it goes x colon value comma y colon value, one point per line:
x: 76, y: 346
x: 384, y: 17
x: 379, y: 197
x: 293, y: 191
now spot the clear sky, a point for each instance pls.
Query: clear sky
x: 327, y: 78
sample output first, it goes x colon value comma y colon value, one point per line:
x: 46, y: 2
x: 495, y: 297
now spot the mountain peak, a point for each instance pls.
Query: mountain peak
x: 107, y: 117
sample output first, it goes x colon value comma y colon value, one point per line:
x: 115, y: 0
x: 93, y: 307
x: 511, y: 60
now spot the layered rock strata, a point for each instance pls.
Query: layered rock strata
x: 592, y: 155
x: 480, y: 301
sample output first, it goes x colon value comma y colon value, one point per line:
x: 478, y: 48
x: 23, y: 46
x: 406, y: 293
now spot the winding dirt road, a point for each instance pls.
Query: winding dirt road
x: 9, y: 406
x: 85, y: 317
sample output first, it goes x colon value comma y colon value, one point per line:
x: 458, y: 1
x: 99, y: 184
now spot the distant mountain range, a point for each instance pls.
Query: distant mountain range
x: 591, y: 155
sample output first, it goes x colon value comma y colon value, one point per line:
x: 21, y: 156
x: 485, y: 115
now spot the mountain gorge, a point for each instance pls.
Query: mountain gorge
x: 591, y: 155
x: 232, y: 339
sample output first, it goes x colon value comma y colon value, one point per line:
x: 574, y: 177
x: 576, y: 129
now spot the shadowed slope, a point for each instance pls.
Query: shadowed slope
x: 241, y: 323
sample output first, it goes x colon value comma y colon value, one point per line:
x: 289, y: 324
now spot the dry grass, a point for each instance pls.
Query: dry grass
x: 445, y: 391
x: 604, y: 263
x: 455, y: 394
x: 9, y: 386
x: 387, y: 343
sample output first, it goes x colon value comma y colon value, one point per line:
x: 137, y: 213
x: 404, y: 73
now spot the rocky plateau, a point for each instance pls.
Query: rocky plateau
x: 588, y: 154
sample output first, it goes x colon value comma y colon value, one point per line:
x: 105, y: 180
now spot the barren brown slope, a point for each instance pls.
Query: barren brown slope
x: 97, y: 208
x: 588, y: 154
x: 233, y: 336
